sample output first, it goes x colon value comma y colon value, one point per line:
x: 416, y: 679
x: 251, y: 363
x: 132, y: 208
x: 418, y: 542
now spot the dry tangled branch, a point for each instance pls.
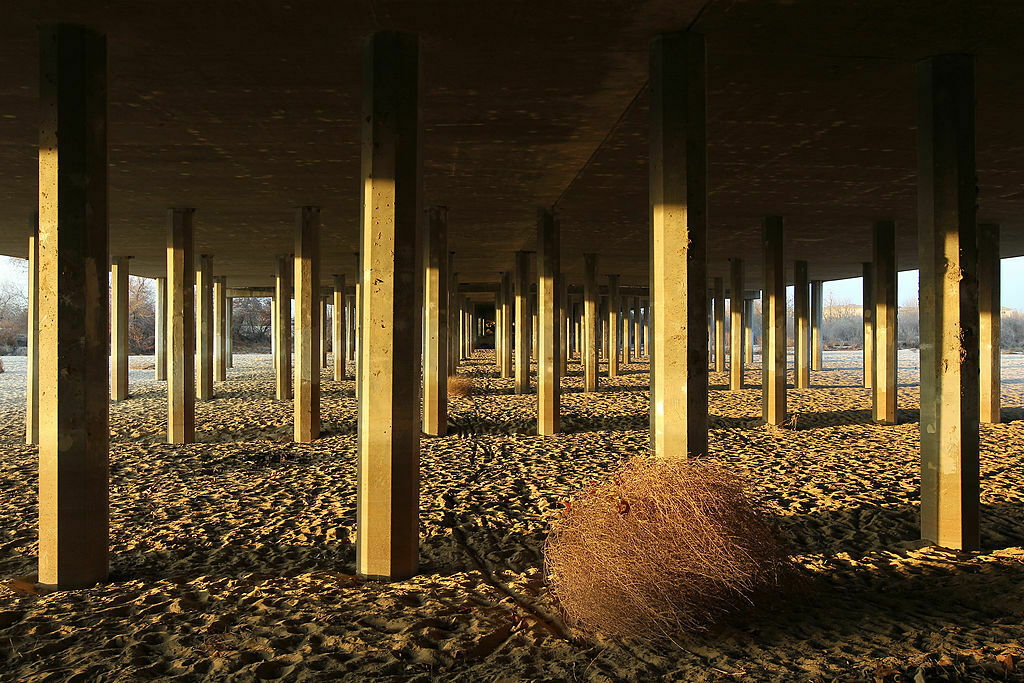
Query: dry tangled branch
x: 661, y: 545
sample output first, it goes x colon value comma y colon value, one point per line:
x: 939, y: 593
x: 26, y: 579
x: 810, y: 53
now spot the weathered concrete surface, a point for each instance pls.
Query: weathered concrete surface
x: 307, y: 324
x: 181, y: 327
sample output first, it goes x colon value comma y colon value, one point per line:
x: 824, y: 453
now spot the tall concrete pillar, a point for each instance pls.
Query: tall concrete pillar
x: 32, y: 357
x: 357, y: 324
x: 736, y: 324
x: 946, y: 212
x: 453, y: 317
x: 884, y: 385
x: 868, y: 270
x: 389, y: 402
x: 507, y: 308
x: 679, y: 223
x: 322, y: 315
x: 801, y: 319
x: 523, y: 322
x: 283, y: 327
x: 989, y: 312
x: 220, y: 343
x: 533, y: 320
x: 435, y: 309
x: 119, y: 328
x: 549, y: 324
x: 350, y: 321
x: 204, y: 328
x: 181, y: 328
x: 626, y: 330
x: 73, y: 308
x: 273, y: 326
x: 563, y: 333
x: 577, y: 328
x: 817, y: 309
x: 613, y: 325
x: 773, y: 325
x: 719, y: 321
x: 748, y: 330
x: 160, y: 330
x: 636, y: 334
x: 307, y: 325
x: 497, y: 327
x: 338, y: 341
x: 229, y: 331
x: 590, y: 322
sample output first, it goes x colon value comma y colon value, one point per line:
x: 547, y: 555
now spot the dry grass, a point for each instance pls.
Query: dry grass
x: 459, y: 387
x: 661, y: 547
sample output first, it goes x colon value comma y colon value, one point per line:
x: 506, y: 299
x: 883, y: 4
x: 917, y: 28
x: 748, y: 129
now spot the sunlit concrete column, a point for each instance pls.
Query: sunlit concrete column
x: 160, y: 330
x: 523, y: 322
x: 32, y: 356
x: 282, y: 316
x: 614, y: 325
x: 273, y: 328
x: 220, y: 344
x: 435, y: 310
x: 801, y: 327
x: 73, y: 308
x: 350, y: 322
x: 719, y: 315
x: 989, y: 313
x: 636, y: 334
x: 338, y: 341
x: 679, y: 221
x: 773, y: 324
x: 507, y: 308
x: 884, y: 385
x: 549, y: 323
x: 817, y: 307
x: 590, y: 322
x: 563, y: 333
x: 307, y: 325
x: 497, y: 328
x: 748, y: 330
x: 323, y: 330
x: 357, y: 324
x: 577, y: 327
x: 181, y: 328
x: 119, y: 328
x: 736, y: 304
x: 204, y: 328
x: 229, y: 331
x: 868, y: 273
x: 646, y: 327
x: 453, y: 317
x: 946, y: 213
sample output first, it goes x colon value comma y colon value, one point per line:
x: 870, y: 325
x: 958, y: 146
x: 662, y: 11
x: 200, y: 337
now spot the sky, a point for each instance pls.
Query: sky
x: 849, y: 291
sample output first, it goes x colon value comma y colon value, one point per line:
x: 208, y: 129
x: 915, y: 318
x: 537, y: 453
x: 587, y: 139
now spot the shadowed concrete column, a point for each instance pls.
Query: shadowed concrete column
x: 389, y: 401
x: 497, y: 327
x: 273, y: 327
x: 773, y: 325
x: 220, y: 344
x: 204, y: 328
x: 719, y: 313
x: 736, y: 303
x: 590, y: 326
x: 322, y: 315
x: 357, y: 324
x: 678, y: 291
x: 350, y: 321
x: 613, y: 325
x: 947, y: 200
x: 884, y: 385
x: 119, y: 328
x: 748, y: 330
x: 435, y: 303
x: 801, y: 327
x: 549, y: 321
x: 563, y: 333
x: 282, y: 315
x: 307, y: 324
x: 989, y: 312
x: 73, y: 308
x: 160, y: 330
x: 229, y: 331
x: 507, y: 308
x: 637, y: 352
x: 181, y: 328
x: 817, y: 305
x: 32, y: 357
x: 868, y: 270
x: 627, y: 332
x: 453, y: 317
x: 523, y: 321
x: 338, y: 341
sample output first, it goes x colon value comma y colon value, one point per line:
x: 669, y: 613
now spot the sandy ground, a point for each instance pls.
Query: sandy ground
x: 231, y: 558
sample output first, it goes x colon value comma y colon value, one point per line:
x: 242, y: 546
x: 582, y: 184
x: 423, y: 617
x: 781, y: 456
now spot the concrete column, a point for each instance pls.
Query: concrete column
x: 868, y: 270
x: 647, y: 327
x: 801, y: 326
x: 989, y: 312
x: 32, y: 358
x: 283, y: 328
x: 549, y: 325
x: 273, y: 328
x: 220, y: 343
x: 678, y: 290
x: 614, y: 325
x: 453, y: 317
x: 773, y: 325
x: 884, y: 385
x: 181, y: 328
x: 323, y: 330
x: 350, y: 321
x: 307, y: 324
x: 636, y: 334
x: 719, y: 321
x: 533, y: 334
x: 817, y: 306
x: 523, y: 322
x: 357, y: 324
x: 602, y: 322
x: 160, y: 330
x: 497, y: 327
x: 736, y: 305
x: 577, y: 328
x: 748, y: 330
x: 947, y: 201
x: 229, y: 331
x: 590, y: 326
x: 435, y: 308
x: 563, y: 333
x: 73, y: 308
x: 119, y: 328
x: 204, y: 328
x: 507, y: 307
x: 626, y: 330
x: 338, y: 341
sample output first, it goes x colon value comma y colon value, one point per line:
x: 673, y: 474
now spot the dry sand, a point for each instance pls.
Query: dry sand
x: 231, y: 558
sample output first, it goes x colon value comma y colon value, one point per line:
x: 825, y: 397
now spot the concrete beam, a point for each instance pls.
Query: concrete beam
x: 549, y: 324
x: 773, y: 325
x: 307, y: 325
x: 181, y: 328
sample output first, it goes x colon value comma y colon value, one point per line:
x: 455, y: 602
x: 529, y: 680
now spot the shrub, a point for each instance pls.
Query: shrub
x: 459, y: 387
x: 660, y: 547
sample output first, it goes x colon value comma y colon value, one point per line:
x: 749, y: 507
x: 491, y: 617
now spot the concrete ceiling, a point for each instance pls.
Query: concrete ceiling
x: 246, y: 110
